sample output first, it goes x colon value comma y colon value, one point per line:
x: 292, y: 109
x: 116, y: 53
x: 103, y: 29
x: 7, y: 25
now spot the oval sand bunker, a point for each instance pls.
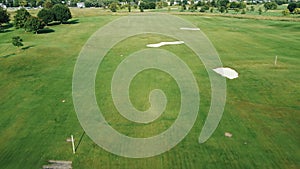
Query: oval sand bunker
x: 226, y: 72
x: 164, y: 43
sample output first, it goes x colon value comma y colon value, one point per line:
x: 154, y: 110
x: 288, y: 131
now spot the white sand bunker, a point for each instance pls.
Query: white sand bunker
x: 227, y: 72
x: 190, y: 29
x: 164, y: 43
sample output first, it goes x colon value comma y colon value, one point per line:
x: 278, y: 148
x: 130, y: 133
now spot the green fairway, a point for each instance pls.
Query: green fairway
x: 262, y: 106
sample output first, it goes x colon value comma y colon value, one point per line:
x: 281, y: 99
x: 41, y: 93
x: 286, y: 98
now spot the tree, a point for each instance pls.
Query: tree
x: 259, y: 10
x: 292, y: 6
x: 17, y: 41
x: 48, y: 5
x: 234, y: 5
x: 270, y: 5
x: 297, y: 11
x: 21, y: 17
x: 285, y: 12
x: 129, y: 5
x: 223, y: 3
x: 46, y: 15
x: 151, y: 5
x: 61, y: 13
x: 4, y: 17
x: 243, y: 11
x: 22, y: 3
x: 222, y: 9
x: 113, y: 7
x: 33, y: 24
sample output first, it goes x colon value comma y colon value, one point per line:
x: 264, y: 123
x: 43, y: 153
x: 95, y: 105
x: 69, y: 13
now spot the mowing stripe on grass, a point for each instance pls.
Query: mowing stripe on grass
x: 97, y: 47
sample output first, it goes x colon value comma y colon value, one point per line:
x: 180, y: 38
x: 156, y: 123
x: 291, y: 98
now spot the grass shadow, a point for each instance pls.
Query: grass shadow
x: 46, y: 30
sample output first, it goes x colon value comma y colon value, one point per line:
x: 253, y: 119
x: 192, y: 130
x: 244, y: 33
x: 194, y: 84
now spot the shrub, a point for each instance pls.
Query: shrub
x: 17, y: 41
x: 285, y: 12
x: 202, y: 10
x: 222, y: 9
x: 243, y: 11
x: 260, y: 10
x: 237, y: 10
x: 206, y: 7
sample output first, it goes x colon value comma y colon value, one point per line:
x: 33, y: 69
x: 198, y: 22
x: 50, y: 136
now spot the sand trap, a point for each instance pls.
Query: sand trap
x: 227, y: 72
x: 164, y: 43
x: 227, y: 134
x: 190, y: 29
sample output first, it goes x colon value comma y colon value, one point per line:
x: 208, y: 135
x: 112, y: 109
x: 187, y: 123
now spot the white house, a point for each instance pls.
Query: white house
x: 80, y: 5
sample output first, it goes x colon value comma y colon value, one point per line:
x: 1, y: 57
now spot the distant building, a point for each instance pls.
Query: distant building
x: 3, y: 6
x: 80, y: 5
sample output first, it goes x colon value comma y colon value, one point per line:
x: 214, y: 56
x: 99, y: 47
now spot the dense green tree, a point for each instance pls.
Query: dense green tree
x: 21, y: 17
x: 260, y: 10
x: 222, y: 9
x: 285, y: 12
x: 61, y: 13
x: 234, y: 5
x: 47, y: 5
x: 223, y: 3
x: 113, y: 7
x: 17, y: 41
x: 22, y: 3
x: 151, y: 5
x: 46, y: 15
x: 33, y: 24
x: 292, y: 6
x: 4, y: 17
x: 280, y: 2
x: 270, y: 5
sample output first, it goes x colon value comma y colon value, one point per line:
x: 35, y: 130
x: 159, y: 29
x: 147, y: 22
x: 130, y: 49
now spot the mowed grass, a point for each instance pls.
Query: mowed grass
x: 262, y: 107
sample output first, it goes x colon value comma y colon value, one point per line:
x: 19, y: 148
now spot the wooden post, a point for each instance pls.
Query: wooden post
x: 73, y: 146
x: 275, y: 63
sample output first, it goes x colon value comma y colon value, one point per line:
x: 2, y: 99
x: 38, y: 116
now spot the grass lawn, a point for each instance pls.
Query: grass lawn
x: 262, y: 106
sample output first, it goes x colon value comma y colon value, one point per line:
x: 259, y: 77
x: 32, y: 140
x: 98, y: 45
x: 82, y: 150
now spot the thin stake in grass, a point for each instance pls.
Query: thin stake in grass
x: 73, y: 146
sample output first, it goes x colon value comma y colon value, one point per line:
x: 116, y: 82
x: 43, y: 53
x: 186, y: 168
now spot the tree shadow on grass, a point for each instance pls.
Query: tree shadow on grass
x: 4, y: 31
x: 45, y: 30
x: 27, y: 47
x: 4, y: 28
x: 9, y: 55
x: 74, y: 21
x: 80, y: 140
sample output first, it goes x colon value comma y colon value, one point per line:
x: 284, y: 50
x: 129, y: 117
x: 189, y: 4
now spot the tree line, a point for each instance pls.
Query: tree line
x: 23, y: 19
